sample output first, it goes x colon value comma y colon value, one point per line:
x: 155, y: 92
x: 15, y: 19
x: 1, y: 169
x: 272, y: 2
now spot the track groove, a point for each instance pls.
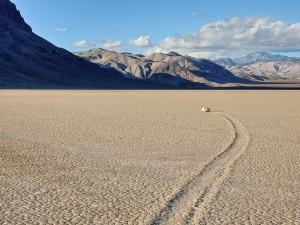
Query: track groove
x: 192, y: 200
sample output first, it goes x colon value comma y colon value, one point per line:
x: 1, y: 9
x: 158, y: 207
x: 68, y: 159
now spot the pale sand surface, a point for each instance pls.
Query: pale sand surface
x: 125, y: 157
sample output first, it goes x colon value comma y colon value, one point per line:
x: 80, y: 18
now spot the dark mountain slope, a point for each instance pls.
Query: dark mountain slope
x: 27, y: 60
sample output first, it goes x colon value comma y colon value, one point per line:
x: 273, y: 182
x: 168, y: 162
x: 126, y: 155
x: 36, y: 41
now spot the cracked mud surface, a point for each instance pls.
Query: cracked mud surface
x: 93, y: 157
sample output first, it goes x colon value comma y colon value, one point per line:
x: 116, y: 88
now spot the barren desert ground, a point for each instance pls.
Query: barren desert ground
x: 149, y: 157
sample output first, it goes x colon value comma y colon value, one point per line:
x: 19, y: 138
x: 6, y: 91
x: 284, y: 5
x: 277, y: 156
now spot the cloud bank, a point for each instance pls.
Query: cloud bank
x: 234, y: 37
x: 85, y: 44
x: 142, y: 41
x: 112, y: 45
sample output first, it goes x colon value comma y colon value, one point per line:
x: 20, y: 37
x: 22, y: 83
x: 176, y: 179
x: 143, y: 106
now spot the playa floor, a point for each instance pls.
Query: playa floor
x: 149, y: 157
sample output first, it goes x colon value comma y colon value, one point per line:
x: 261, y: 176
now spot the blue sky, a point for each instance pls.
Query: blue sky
x: 117, y: 23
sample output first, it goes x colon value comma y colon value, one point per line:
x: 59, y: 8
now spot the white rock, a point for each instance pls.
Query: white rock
x: 205, y: 109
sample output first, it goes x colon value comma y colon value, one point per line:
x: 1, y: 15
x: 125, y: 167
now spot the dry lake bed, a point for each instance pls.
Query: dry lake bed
x: 149, y: 157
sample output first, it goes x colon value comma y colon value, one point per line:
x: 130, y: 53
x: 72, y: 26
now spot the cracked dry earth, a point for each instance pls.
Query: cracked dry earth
x: 142, y: 157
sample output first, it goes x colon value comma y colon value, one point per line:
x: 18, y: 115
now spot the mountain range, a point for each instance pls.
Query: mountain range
x: 263, y: 66
x: 29, y: 61
x: 171, y: 68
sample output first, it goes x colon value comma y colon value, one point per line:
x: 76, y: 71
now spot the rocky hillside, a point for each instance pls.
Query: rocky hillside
x: 29, y: 61
x: 261, y: 66
x: 171, y: 68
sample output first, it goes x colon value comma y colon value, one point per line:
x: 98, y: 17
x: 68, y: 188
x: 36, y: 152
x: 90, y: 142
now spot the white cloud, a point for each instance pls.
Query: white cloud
x: 84, y: 44
x: 195, y: 14
x: 61, y: 29
x: 235, y: 36
x: 142, y: 41
x: 112, y: 45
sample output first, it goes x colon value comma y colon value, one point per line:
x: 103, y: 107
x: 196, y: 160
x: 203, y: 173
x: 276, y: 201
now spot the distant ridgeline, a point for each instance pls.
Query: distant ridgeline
x: 29, y: 61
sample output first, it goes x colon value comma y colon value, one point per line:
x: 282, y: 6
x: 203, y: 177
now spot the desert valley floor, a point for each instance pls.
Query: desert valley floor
x: 149, y: 157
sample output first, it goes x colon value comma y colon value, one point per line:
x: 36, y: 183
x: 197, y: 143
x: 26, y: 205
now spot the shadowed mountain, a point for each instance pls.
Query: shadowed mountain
x: 172, y: 68
x: 29, y: 61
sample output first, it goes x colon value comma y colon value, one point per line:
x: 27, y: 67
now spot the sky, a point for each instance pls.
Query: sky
x: 201, y: 28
